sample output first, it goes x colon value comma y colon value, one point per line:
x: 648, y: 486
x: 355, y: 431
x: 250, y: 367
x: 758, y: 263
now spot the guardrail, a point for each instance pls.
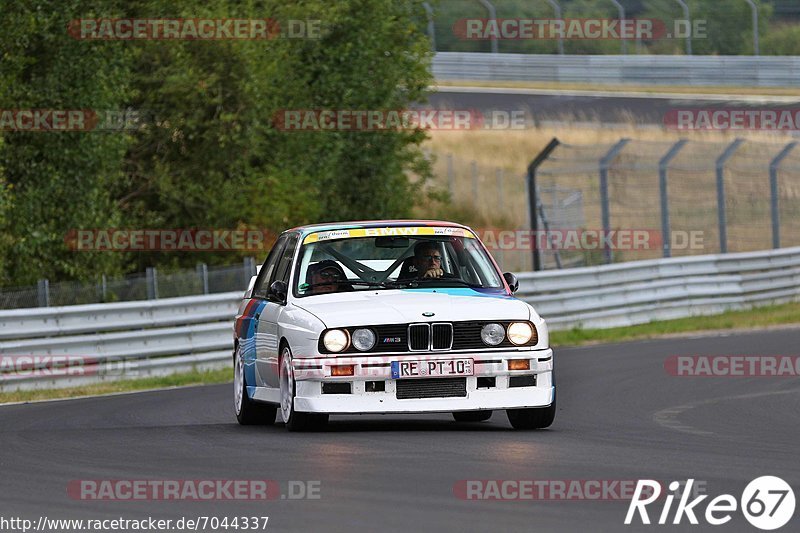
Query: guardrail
x: 80, y: 344
x: 640, y: 291
x: 136, y: 339
x: 738, y: 71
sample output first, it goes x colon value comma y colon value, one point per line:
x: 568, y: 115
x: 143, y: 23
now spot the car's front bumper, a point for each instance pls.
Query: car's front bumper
x: 504, y: 392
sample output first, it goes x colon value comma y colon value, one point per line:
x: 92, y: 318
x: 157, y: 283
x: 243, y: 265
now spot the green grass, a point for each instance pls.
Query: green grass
x: 176, y: 380
x: 760, y: 317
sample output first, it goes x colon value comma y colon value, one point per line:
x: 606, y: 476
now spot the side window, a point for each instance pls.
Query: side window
x: 262, y: 283
x: 285, y: 264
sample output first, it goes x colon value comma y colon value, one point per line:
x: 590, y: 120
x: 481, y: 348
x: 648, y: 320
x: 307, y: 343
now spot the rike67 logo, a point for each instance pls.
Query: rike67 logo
x: 767, y: 503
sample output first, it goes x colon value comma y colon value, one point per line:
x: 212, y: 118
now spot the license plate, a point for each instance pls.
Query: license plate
x: 427, y: 369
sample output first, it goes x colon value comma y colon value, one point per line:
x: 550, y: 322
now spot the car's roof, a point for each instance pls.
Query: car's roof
x: 331, y: 226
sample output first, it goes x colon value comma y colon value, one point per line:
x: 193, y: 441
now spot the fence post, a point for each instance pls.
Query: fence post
x: 533, y: 197
x: 202, y: 273
x: 721, y: 215
x: 666, y: 234
x: 43, y: 292
x: 431, y: 26
x: 688, y: 16
x: 773, y: 188
x: 605, y: 163
x: 499, y: 174
x: 754, y: 9
x: 492, y: 15
x: 621, y: 10
x: 104, y: 287
x: 557, y: 9
x: 474, y: 170
x: 152, y: 283
x: 451, y: 176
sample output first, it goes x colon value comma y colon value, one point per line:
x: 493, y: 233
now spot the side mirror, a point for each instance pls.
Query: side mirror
x: 513, y: 282
x: 278, y: 290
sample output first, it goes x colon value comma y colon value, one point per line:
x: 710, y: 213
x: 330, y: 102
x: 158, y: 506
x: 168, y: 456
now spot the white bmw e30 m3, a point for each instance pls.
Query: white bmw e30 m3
x: 388, y: 317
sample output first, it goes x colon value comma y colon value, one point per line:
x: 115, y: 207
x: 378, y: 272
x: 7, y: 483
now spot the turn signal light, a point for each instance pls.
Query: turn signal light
x: 519, y: 364
x: 342, y: 370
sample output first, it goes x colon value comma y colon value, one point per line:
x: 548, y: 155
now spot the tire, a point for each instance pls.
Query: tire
x: 295, y: 421
x: 472, y: 416
x: 535, y: 418
x: 248, y: 412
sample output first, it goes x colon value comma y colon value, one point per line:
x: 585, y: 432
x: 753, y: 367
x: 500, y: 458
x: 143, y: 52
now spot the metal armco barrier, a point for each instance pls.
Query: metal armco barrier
x: 640, y: 291
x: 137, y: 339
x: 744, y: 71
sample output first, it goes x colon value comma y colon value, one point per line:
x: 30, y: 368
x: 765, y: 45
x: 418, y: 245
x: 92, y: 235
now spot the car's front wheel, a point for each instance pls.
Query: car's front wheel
x: 534, y: 418
x: 248, y: 412
x: 472, y: 416
x: 295, y: 421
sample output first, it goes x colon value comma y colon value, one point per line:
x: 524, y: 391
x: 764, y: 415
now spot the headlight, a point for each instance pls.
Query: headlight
x: 363, y: 339
x: 336, y: 340
x: 493, y: 334
x: 520, y: 332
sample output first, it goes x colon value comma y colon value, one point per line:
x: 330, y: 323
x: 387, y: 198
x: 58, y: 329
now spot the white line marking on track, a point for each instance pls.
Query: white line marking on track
x: 668, y: 418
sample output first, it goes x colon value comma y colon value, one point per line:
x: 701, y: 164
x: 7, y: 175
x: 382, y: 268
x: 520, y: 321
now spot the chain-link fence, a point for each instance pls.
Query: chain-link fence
x: 633, y: 200
x: 496, y: 199
x: 150, y: 285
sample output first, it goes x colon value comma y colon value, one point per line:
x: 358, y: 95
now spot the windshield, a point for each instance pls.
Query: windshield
x: 393, y: 262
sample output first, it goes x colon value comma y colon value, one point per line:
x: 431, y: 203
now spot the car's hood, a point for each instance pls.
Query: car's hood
x: 407, y: 305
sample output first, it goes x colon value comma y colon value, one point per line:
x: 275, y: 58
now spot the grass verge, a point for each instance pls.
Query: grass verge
x: 176, y: 380
x: 759, y: 317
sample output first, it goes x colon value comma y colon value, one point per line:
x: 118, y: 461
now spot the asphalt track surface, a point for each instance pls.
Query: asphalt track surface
x: 600, y: 107
x: 620, y: 417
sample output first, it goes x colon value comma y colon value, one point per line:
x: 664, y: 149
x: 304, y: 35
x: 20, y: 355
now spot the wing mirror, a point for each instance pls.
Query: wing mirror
x: 278, y: 290
x: 513, y: 282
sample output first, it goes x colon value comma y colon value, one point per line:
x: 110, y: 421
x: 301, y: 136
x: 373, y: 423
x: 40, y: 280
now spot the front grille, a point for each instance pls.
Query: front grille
x: 442, y: 336
x: 431, y: 388
x: 418, y: 337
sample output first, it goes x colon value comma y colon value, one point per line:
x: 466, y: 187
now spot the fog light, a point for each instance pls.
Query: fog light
x: 519, y: 364
x: 342, y: 370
